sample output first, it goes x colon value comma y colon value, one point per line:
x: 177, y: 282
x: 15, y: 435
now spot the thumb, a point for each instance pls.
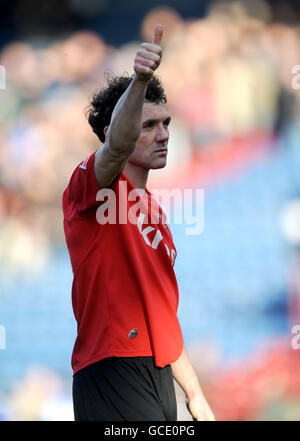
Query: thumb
x: 188, y: 408
x: 158, y: 33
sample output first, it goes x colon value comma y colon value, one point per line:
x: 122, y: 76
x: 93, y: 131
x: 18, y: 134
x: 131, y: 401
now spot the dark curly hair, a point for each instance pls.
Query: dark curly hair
x: 104, y: 100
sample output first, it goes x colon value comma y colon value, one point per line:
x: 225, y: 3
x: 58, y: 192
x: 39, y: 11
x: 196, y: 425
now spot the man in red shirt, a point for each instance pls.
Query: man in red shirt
x: 129, y: 344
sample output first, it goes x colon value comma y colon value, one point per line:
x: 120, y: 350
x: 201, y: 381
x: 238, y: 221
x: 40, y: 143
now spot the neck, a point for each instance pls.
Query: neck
x: 137, y: 175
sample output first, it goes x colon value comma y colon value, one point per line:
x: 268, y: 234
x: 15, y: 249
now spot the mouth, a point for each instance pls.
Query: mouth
x: 162, y: 150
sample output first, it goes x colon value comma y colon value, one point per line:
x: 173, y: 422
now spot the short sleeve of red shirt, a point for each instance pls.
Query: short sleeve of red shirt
x: 83, y: 187
x: 124, y: 292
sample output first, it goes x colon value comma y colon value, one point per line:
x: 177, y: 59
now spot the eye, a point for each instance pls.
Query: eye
x: 148, y: 125
x: 167, y: 122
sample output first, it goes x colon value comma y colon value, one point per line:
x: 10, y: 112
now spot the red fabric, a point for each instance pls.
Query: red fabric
x: 123, y: 274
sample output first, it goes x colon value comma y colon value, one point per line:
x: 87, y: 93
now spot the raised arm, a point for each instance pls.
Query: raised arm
x: 186, y: 377
x: 126, y: 121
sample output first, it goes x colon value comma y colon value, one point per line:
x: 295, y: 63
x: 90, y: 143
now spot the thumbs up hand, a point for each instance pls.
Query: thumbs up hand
x: 148, y: 56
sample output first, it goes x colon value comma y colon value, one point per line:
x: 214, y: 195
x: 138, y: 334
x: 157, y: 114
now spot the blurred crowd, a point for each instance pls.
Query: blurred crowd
x: 264, y: 386
x: 228, y: 77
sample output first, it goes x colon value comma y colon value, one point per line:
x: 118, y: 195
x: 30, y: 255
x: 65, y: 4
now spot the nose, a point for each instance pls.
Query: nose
x: 162, y: 134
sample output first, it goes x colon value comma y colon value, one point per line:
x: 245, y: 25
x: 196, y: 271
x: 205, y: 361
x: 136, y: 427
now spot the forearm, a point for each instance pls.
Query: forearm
x: 184, y: 374
x: 186, y: 377
x: 126, y: 120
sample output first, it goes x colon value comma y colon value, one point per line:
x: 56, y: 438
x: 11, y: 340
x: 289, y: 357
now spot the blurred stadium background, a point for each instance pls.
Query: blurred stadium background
x: 227, y: 70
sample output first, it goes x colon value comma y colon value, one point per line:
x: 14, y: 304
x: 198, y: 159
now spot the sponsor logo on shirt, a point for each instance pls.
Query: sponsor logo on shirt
x: 157, y: 238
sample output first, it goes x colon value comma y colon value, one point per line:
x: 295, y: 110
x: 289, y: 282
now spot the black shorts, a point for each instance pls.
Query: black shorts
x: 124, y: 389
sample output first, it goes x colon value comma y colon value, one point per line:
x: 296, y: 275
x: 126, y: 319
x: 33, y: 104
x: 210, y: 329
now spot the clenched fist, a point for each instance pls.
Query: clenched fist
x: 148, y: 56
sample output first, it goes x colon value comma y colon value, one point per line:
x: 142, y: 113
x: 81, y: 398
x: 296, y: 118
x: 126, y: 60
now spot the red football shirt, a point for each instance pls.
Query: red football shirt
x: 124, y: 293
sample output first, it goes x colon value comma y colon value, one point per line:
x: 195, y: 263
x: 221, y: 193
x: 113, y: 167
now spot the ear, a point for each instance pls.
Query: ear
x: 105, y: 130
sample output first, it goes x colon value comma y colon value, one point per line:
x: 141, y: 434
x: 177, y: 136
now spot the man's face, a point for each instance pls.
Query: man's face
x: 152, y: 145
